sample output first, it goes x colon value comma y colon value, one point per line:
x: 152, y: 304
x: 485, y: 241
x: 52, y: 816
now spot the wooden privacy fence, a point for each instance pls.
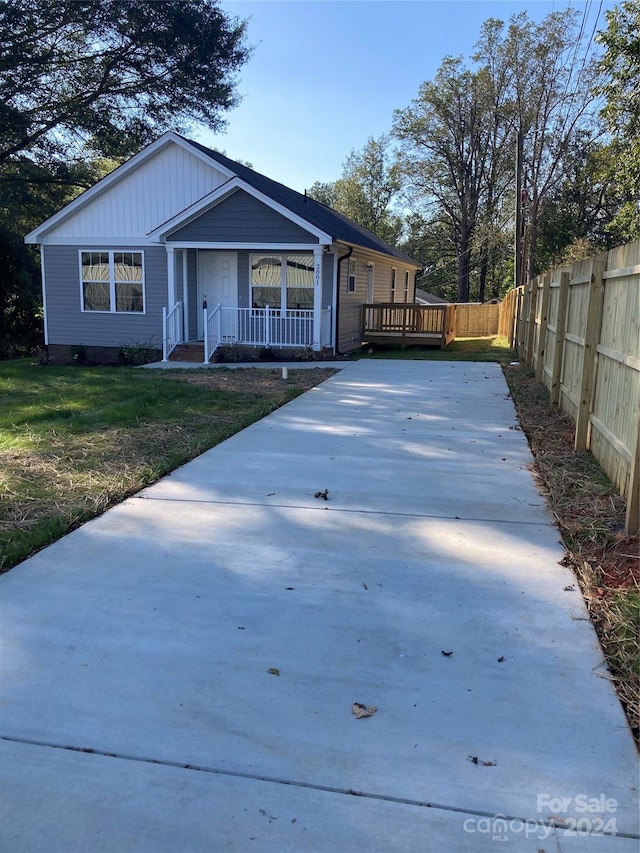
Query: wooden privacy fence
x: 476, y: 319
x: 578, y: 327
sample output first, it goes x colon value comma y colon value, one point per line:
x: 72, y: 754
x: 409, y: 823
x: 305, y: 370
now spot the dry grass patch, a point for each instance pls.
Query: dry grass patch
x: 591, y: 516
x: 75, y: 442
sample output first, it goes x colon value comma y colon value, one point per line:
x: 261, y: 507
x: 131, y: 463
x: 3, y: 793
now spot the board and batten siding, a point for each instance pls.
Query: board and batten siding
x: 240, y: 218
x: 143, y: 199
x: 68, y: 324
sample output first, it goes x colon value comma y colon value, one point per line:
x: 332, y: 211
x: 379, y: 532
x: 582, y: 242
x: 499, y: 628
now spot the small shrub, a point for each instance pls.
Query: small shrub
x: 135, y: 354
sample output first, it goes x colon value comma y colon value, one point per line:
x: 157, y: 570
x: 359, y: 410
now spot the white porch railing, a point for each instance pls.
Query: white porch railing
x: 265, y: 327
x: 268, y: 327
x: 212, y: 336
x: 172, y: 326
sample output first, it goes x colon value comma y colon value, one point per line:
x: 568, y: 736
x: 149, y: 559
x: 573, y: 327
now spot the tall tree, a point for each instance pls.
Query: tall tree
x: 366, y: 190
x: 112, y: 73
x: 85, y: 79
x: 551, y: 71
x: 621, y: 112
x: 447, y: 136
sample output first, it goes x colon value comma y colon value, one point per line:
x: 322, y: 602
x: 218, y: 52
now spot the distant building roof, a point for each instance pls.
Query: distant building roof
x: 429, y: 298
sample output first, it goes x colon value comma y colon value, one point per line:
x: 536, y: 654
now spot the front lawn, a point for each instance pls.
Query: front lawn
x: 76, y: 440
x: 462, y: 349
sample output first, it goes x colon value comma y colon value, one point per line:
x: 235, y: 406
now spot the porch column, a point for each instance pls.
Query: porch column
x: 185, y: 294
x: 317, y: 296
x: 171, y: 278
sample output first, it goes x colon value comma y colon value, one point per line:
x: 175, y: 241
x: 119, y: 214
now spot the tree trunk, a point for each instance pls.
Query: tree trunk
x: 484, y: 270
x: 464, y: 266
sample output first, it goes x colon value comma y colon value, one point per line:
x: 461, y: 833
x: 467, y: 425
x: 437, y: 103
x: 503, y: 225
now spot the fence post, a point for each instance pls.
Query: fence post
x: 561, y: 325
x: 632, y: 524
x: 267, y: 329
x: 589, y: 360
x: 531, y: 328
x: 542, y: 334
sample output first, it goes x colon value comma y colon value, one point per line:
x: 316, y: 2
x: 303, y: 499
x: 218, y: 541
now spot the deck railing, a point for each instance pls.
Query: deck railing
x: 408, y: 320
x: 172, y: 329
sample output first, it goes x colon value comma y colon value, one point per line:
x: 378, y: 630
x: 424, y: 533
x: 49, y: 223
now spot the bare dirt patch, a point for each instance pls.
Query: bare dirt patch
x: 254, y: 380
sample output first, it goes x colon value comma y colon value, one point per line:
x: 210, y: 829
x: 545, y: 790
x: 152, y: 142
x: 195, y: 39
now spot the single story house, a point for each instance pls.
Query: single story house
x: 181, y: 244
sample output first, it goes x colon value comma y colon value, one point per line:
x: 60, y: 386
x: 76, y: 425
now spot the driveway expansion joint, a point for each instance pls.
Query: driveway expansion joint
x: 324, y: 507
x: 275, y: 780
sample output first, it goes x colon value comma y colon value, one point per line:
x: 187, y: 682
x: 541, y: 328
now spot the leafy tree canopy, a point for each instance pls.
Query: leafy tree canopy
x: 365, y: 193
x: 112, y: 74
x: 621, y: 91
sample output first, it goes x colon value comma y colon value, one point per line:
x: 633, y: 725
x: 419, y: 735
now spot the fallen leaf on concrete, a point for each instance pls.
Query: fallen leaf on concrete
x: 569, y: 588
x: 501, y: 659
x: 364, y: 585
x: 289, y: 587
x: 475, y: 760
x: 324, y: 495
x: 270, y: 494
x: 359, y: 710
x: 264, y: 814
x: 446, y: 654
x: 273, y: 670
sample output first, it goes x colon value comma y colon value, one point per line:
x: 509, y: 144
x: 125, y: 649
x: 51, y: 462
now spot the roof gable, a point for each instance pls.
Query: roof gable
x: 239, y: 217
x: 171, y: 181
x: 136, y: 197
x: 340, y: 227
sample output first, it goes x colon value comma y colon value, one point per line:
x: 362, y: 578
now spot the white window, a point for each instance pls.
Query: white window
x: 406, y: 285
x: 112, y: 281
x: 393, y: 285
x: 283, y: 282
x: 351, y: 279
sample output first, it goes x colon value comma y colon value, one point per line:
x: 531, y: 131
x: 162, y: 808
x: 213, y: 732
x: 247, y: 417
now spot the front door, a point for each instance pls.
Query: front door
x: 218, y: 284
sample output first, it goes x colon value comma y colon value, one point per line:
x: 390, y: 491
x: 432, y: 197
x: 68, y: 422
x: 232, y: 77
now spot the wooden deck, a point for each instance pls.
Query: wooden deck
x: 408, y: 324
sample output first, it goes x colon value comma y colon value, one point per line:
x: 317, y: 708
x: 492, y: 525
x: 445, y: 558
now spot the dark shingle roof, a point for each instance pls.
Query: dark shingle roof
x: 338, y: 226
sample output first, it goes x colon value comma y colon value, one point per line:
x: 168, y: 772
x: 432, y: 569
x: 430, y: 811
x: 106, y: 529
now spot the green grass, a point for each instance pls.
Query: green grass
x: 76, y: 440
x: 462, y: 349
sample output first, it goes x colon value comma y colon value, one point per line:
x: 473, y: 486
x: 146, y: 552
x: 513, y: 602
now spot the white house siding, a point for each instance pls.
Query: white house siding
x: 241, y: 218
x: 143, y: 198
x: 68, y: 324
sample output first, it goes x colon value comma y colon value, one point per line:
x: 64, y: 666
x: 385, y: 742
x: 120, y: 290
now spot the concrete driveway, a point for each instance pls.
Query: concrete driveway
x: 179, y: 674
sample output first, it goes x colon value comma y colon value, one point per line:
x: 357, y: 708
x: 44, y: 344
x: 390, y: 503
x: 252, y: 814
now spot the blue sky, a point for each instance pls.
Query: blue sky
x: 327, y: 74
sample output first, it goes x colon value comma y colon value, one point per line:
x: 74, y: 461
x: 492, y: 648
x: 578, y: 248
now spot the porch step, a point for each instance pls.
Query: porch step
x: 193, y: 351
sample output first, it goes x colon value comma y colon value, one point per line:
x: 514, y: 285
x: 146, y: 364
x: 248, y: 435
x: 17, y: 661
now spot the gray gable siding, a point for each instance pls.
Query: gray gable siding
x: 68, y: 324
x: 241, y: 218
